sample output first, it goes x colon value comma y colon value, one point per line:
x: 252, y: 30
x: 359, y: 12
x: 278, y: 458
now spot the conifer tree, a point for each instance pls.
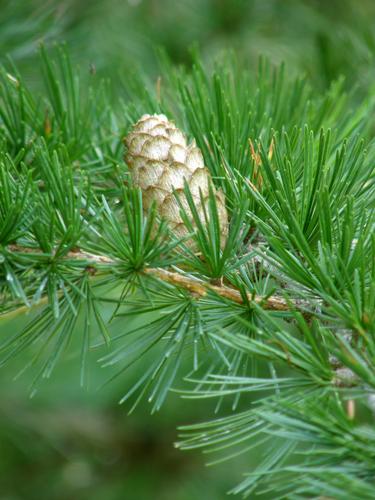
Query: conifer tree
x: 256, y: 284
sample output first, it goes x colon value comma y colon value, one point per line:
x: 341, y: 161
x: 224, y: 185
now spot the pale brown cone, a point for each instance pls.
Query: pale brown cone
x: 160, y: 160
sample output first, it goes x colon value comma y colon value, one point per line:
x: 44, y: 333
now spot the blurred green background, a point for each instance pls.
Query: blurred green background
x: 59, y: 440
x: 69, y: 442
x: 325, y: 39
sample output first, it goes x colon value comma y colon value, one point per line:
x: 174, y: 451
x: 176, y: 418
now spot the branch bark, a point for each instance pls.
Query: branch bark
x: 199, y: 288
x: 344, y: 377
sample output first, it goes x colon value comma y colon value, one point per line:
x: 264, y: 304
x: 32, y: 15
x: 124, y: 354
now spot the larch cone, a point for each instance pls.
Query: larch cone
x: 160, y: 160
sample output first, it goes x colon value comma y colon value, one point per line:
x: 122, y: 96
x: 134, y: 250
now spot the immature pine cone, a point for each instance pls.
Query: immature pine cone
x: 160, y: 161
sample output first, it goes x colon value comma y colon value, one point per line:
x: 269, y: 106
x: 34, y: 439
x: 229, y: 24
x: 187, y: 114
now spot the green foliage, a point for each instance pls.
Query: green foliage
x: 74, y: 238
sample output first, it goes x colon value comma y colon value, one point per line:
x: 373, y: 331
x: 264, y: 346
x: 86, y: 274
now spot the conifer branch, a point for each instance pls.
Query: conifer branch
x: 305, y: 185
x: 195, y: 286
x: 200, y: 288
x: 344, y: 377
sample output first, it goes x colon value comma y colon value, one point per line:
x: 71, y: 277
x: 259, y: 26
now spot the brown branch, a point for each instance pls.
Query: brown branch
x: 344, y: 377
x: 73, y: 254
x: 200, y: 288
x: 197, y: 287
